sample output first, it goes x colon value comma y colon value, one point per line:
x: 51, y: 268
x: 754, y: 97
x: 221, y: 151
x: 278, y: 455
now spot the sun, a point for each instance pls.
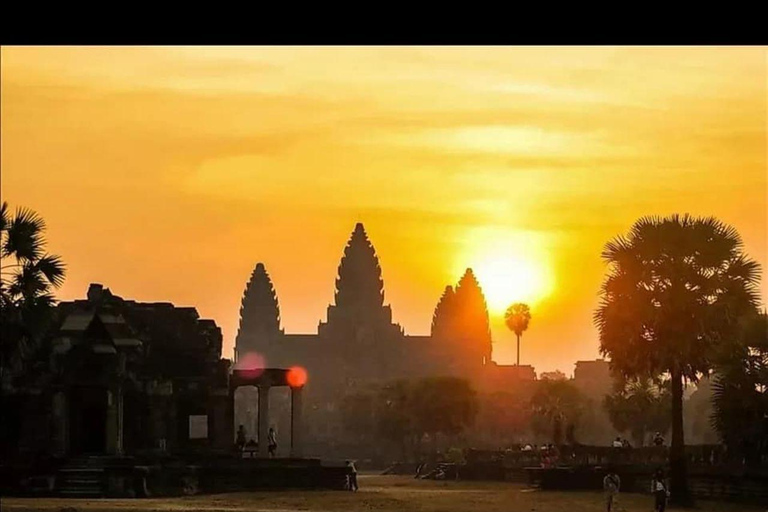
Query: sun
x: 509, y: 268
x: 506, y: 279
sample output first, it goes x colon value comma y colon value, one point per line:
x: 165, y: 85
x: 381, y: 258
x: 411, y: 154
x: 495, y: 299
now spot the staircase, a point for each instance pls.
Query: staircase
x: 82, y: 478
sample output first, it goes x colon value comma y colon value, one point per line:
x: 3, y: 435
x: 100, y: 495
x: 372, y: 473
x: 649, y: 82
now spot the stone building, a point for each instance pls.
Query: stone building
x: 117, y: 377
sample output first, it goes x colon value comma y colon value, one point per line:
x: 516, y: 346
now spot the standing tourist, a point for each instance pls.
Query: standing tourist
x: 660, y: 491
x: 611, y: 486
x: 272, y: 442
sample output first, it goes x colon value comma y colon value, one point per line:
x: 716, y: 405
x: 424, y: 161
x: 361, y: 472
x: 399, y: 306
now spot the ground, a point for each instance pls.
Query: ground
x: 377, y: 493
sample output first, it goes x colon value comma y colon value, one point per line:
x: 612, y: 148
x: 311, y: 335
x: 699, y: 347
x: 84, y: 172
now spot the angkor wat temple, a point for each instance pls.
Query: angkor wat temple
x: 360, y: 343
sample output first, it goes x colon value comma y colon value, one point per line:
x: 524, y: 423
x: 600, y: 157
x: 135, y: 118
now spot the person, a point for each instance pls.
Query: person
x: 658, y: 439
x: 617, y: 442
x: 625, y: 443
x: 660, y: 491
x: 272, y: 442
x: 352, y: 476
x: 240, y: 438
x: 611, y: 486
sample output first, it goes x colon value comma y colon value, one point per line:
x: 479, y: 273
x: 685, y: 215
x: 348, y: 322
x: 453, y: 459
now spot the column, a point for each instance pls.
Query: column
x: 263, y: 420
x: 296, y: 406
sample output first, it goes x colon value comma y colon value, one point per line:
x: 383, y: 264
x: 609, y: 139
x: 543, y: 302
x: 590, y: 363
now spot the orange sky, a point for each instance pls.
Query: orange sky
x: 167, y: 173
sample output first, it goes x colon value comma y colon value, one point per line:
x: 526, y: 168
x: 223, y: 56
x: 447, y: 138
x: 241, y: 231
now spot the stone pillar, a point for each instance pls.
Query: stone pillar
x: 296, y: 426
x: 230, y: 420
x: 263, y: 420
x: 60, y: 423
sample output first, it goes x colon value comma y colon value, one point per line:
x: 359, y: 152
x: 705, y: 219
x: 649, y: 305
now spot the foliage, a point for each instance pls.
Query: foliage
x: 443, y: 405
x: 28, y: 276
x: 740, y: 392
x: 556, y: 405
x: 675, y: 290
x: 503, y: 417
x: 403, y: 412
x: 640, y: 407
x: 517, y: 317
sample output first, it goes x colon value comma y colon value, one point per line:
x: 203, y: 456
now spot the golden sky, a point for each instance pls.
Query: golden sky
x: 167, y: 173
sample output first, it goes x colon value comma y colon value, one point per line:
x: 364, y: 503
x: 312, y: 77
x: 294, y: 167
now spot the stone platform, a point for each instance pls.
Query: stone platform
x: 126, y: 477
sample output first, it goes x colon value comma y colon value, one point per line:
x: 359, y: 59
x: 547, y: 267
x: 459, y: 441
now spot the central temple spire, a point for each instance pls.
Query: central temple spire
x: 359, y: 286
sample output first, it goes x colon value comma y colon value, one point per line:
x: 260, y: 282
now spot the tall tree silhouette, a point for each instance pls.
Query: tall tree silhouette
x: 674, y: 292
x: 517, y: 317
x: 28, y: 277
x: 472, y: 324
x: 259, y: 313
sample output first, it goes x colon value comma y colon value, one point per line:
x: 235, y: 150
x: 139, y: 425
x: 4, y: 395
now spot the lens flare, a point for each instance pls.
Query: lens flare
x: 297, y: 376
x: 252, y: 364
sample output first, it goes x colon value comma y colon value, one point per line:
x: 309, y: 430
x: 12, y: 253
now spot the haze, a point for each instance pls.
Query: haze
x: 167, y: 173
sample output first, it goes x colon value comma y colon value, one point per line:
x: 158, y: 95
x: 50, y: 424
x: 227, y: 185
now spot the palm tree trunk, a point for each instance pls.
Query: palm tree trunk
x: 680, y: 494
x: 518, y: 350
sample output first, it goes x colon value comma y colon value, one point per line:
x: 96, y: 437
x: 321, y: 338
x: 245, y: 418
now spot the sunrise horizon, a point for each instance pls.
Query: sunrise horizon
x: 167, y: 174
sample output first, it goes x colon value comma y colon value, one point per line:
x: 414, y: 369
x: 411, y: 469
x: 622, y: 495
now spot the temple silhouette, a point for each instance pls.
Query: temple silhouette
x: 359, y: 343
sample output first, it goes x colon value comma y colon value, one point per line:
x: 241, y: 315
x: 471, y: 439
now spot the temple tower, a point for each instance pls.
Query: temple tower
x: 359, y: 334
x: 444, y: 315
x: 359, y: 296
x: 259, y: 315
x: 460, y: 327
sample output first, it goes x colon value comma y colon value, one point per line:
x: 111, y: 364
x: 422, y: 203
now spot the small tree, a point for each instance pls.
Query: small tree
x: 640, y: 407
x: 443, y: 405
x: 517, y: 317
x: 557, y: 407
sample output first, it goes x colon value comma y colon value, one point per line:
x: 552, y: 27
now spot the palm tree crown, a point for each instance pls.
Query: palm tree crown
x: 517, y: 317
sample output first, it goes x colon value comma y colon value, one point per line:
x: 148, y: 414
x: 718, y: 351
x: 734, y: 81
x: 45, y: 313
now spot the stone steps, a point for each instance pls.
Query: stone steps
x: 80, y: 481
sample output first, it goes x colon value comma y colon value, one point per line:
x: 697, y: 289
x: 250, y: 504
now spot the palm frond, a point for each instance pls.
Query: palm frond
x: 24, y: 235
x: 53, y: 268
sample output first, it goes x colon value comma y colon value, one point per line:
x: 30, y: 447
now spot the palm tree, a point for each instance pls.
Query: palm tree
x: 517, y: 317
x: 674, y: 293
x: 27, y: 277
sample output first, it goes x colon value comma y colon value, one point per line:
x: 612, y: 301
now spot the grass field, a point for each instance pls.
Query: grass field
x: 377, y: 493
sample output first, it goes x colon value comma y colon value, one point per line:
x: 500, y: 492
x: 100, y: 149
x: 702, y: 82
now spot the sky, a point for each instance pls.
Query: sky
x: 166, y: 174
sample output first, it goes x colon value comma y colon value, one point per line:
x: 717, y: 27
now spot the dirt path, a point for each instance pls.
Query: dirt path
x: 377, y: 493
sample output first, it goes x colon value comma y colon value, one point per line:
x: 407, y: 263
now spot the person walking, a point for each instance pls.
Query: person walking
x: 272, y: 442
x: 660, y: 491
x: 611, y: 486
x: 352, y: 476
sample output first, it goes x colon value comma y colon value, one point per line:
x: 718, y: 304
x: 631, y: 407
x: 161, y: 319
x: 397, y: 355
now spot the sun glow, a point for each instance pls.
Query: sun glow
x: 510, y: 268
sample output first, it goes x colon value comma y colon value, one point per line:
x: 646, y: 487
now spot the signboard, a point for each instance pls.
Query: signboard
x: 198, y: 426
